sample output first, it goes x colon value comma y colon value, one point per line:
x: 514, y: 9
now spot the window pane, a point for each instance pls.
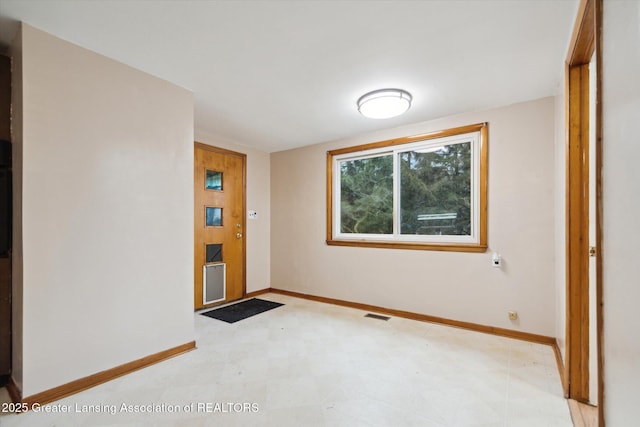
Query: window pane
x: 213, y: 217
x: 213, y: 252
x: 435, y: 191
x: 213, y: 180
x: 366, y: 195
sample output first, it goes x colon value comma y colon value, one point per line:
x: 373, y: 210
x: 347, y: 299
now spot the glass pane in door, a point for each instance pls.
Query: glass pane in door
x: 213, y: 180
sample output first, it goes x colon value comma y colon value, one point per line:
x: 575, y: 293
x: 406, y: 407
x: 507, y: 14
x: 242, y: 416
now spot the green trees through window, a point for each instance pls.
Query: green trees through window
x: 366, y: 202
x: 435, y: 191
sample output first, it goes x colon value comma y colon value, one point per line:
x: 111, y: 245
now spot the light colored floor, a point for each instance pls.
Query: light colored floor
x: 314, y: 364
x: 583, y: 415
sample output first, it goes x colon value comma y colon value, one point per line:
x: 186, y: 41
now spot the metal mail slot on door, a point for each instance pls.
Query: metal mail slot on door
x: 214, y: 278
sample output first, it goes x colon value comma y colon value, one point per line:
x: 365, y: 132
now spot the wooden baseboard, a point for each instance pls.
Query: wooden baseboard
x: 560, y: 364
x: 14, y: 391
x: 256, y: 293
x: 81, y: 384
x: 508, y: 333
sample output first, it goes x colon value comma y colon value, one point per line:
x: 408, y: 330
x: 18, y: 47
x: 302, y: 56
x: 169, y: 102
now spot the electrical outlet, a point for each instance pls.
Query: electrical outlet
x: 513, y: 315
x: 496, y: 260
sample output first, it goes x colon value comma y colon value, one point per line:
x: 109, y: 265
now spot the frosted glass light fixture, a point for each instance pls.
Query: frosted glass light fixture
x: 384, y: 103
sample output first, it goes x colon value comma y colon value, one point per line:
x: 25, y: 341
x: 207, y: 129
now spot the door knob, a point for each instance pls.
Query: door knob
x: 238, y: 235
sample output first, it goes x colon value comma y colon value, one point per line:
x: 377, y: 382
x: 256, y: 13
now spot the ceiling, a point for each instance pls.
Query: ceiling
x: 282, y: 74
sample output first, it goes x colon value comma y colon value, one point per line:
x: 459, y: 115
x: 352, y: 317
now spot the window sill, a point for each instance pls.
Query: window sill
x: 447, y: 247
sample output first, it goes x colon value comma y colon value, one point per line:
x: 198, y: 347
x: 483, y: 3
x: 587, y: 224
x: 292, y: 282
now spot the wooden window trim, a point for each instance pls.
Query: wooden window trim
x: 481, y: 246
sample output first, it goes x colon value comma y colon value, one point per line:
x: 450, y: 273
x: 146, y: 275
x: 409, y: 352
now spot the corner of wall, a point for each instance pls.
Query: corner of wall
x: 15, y: 52
x: 560, y: 224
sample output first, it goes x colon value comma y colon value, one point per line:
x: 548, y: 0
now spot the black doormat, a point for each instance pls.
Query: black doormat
x: 242, y: 310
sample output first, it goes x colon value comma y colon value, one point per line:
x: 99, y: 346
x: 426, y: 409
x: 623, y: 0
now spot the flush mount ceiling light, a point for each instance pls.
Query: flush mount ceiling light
x: 384, y: 103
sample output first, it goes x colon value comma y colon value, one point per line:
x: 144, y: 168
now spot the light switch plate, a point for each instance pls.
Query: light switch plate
x: 253, y: 214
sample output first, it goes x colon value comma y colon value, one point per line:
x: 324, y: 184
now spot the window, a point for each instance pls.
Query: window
x: 419, y: 192
x: 213, y: 252
x: 213, y: 217
x: 213, y: 180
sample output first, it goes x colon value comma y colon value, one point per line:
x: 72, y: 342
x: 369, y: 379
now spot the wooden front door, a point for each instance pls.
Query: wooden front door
x: 219, y: 220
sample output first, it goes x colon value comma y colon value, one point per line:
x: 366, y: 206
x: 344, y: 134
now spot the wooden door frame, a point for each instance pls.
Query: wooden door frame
x: 585, y: 42
x: 243, y: 156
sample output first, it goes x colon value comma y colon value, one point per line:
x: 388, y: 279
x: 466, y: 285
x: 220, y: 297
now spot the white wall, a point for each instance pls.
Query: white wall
x: 16, y: 249
x: 107, y: 213
x: 560, y: 182
x: 621, y: 210
x: 258, y: 199
x: 460, y: 286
